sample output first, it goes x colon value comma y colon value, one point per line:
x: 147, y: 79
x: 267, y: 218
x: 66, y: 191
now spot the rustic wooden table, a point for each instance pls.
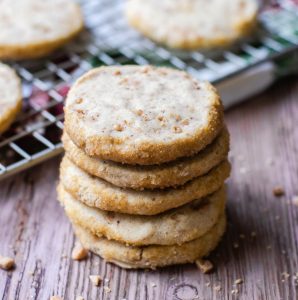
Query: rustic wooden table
x: 260, y: 247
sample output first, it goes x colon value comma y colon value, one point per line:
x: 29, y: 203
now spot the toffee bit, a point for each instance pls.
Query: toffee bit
x: 78, y: 252
x: 278, y: 191
x: 178, y: 118
x: 139, y: 112
x: 118, y: 127
x: 79, y: 100
x: 95, y: 279
x: 145, y: 70
x: 185, y: 122
x: 205, y: 266
x: 6, y: 263
x: 177, y: 129
x: 117, y: 72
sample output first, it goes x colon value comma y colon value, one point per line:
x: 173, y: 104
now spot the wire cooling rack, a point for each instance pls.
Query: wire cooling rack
x: 35, y: 136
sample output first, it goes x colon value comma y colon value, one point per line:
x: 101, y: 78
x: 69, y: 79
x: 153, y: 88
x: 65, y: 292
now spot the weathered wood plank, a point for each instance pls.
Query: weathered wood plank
x: 34, y: 230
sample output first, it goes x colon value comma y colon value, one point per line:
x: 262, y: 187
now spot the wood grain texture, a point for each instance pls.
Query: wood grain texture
x: 34, y: 230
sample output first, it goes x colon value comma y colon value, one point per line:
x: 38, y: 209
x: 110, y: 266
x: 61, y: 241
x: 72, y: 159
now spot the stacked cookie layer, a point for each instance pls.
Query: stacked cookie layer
x: 142, y: 180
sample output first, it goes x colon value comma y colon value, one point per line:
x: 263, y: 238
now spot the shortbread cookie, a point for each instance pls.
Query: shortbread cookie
x: 175, y: 226
x: 10, y: 96
x: 142, y: 114
x: 96, y: 192
x: 191, y: 24
x: 149, y: 177
x: 34, y: 28
x: 154, y: 255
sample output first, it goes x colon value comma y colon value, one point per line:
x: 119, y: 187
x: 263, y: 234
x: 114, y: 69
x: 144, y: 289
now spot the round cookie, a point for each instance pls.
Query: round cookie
x: 10, y: 96
x: 154, y: 255
x: 142, y: 114
x: 150, y: 177
x: 192, y: 24
x: 176, y: 226
x: 34, y: 28
x: 96, y: 192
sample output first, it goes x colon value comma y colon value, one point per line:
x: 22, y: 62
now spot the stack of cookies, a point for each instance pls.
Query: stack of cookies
x: 142, y: 180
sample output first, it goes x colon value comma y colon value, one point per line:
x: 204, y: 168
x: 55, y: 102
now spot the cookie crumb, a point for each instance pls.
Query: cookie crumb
x: 107, y: 289
x: 285, y: 275
x: 253, y: 234
x: 118, y: 127
x: 238, y: 281
x: 153, y: 284
x: 95, y: 279
x: 79, y: 252
x: 217, y: 288
x: 295, y: 200
x: 235, y: 292
x: 205, y: 266
x: 56, y: 298
x: 208, y: 283
x: 80, y: 298
x: 236, y: 245
x: 6, y: 263
x: 278, y: 191
x: 177, y: 129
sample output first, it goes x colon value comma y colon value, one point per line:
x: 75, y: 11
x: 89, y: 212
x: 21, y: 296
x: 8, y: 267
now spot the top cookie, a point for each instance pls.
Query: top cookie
x: 10, y: 96
x: 34, y: 28
x: 142, y: 114
x: 190, y: 24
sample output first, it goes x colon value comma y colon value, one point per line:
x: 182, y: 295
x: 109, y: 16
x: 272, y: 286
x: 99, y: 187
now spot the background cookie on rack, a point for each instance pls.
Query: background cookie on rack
x: 34, y: 28
x: 192, y: 24
x: 10, y: 96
